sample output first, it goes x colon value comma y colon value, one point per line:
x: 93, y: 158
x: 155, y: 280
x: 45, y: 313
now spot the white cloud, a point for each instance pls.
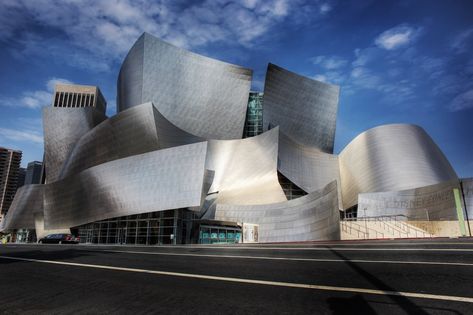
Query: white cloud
x: 329, y: 63
x: 463, y: 41
x: 51, y: 83
x: 106, y: 29
x: 462, y: 101
x: 21, y: 135
x: 34, y: 99
x: 365, y: 78
x: 396, y: 37
x: 320, y: 77
x: 332, y: 77
x: 325, y: 8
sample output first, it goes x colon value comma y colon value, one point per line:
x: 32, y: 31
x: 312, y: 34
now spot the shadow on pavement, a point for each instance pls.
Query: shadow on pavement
x: 353, y: 305
x: 408, y: 306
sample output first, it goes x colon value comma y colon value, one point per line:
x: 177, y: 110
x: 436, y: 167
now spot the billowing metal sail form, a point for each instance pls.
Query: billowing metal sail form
x: 28, y: 201
x: 307, y: 167
x: 306, y: 112
x: 137, y: 130
x: 246, y: 170
x: 200, y: 95
x: 175, y: 144
x: 153, y: 181
x: 390, y: 158
x: 312, y: 217
x: 63, y: 127
x: 304, y: 109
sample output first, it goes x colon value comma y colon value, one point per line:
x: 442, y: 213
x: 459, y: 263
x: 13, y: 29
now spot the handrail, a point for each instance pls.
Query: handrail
x: 394, y: 224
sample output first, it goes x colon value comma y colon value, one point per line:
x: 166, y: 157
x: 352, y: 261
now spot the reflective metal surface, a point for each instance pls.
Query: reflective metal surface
x: 28, y: 200
x: 63, y: 127
x: 159, y: 180
x: 390, y: 158
x: 134, y: 131
x: 200, y: 95
x: 307, y: 167
x: 304, y: 109
x: 429, y: 203
x: 246, y: 169
x: 176, y: 143
x: 311, y: 217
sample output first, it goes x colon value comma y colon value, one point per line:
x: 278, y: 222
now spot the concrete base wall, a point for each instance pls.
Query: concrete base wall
x: 355, y: 230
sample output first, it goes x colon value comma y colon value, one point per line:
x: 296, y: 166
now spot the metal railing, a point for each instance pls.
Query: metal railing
x: 394, y: 225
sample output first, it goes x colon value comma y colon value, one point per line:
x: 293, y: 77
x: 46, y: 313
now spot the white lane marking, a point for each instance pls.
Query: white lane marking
x: 280, y: 248
x: 331, y: 248
x: 294, y: 258
x: 253, y: 281
x: 268, y: 246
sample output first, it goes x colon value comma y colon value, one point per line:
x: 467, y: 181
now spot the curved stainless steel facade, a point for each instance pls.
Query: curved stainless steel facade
x: 390, y: 158
x: 137, y: 130
x: 28, y: 200
x: 311, y: 217
x: 176, y: 144
x: 200, y: 95
x: 308, y: 168
x: 246, y: 170
x: 63, y: 127
x: 159, y: 180
x: 304, y: 109
x: 429, y: 203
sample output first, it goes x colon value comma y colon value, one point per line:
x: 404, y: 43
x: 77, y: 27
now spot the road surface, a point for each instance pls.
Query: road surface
x: 368, y: 277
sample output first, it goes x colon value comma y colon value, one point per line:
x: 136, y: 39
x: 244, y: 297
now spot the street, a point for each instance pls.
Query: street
x: 370, y: 277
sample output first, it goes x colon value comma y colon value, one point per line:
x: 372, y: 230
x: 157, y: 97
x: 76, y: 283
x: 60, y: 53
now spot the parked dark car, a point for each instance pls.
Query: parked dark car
x: 59, y: 239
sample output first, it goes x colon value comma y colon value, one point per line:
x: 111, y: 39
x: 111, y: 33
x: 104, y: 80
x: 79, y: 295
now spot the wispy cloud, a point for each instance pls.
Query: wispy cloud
x: 106, y: 29
x: 34, y: 99
x: 329, y: 63
x: 382, y: 67
x: 325, y: 8
x: 462, y: 101
x: 396, y: 37
x: 21, y: 135
x: 463, y: 42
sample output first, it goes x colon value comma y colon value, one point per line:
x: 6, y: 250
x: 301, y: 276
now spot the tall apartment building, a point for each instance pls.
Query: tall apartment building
x: 9, y: 168
x: 33, y: 173
x: 73, y: 95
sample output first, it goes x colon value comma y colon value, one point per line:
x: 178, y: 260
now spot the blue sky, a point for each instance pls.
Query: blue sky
x: 396, y: 61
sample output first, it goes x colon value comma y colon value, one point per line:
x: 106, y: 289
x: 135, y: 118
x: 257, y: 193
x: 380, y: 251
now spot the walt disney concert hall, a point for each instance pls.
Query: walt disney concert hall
x: 193, y: 156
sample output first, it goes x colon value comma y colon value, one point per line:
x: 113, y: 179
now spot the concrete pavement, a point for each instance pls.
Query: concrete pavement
x: 384, y: 277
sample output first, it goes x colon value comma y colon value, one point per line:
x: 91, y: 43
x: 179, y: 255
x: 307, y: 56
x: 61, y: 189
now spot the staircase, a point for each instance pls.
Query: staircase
x: 382, y: 227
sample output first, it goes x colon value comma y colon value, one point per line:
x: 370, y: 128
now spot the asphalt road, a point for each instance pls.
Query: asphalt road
x: 397, y: 277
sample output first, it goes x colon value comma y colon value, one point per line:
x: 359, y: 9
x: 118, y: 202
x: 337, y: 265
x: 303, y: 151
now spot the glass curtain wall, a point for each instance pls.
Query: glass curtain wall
x: 254, y: 115
x: 219, y: 234
x: 154, y: 228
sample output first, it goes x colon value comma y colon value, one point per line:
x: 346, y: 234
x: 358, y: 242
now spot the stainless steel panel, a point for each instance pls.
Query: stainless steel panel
x: 159, y: 180
x: 307, y: 167
x: 246, y: 169
x: 134, y: 131
x: 304, y: 109
x: 428, y: 203
x: 28, y: 200
x: 390, y: 158
x: 202, y: 96
x: 311, y: 217
x: 63, y: 127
